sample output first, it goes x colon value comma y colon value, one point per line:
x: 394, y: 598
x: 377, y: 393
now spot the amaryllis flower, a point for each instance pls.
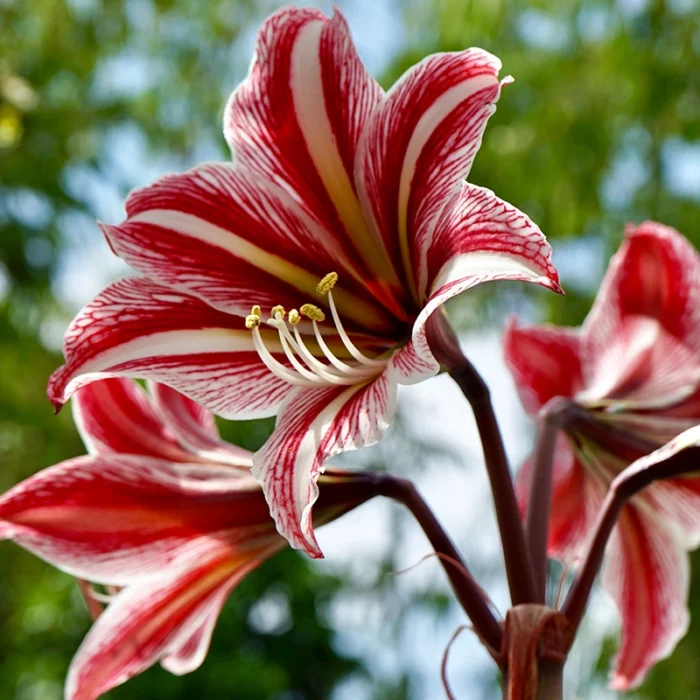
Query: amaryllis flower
x: 298, y: 280
x: 633, y: 373
x: 163, y: 510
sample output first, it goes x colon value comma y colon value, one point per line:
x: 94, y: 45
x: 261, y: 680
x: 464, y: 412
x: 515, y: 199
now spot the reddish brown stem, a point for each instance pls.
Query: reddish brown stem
x: 621, y: 490
x: 580, y: 591
x: 539, y: 504
x: 537, y: 640
x: 445, y: 347
x: 550, y: 684
x: 467, y: 590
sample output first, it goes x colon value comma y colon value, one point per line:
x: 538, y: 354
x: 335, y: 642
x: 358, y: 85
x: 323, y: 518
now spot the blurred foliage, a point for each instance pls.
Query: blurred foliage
x: 600, y: 128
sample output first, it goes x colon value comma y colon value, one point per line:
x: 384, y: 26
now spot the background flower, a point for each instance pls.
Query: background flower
x: 146, y: 514
x: 632, y: 373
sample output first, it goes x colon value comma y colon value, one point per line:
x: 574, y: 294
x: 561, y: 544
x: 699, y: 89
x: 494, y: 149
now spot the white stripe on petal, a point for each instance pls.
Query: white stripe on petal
x: 315, y: 425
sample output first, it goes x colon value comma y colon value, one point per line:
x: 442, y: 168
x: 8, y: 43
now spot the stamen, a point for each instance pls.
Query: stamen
x: 316, y: 369
x: 313, y: 312
x: 252, y: 321
x: 338, y: 364
x: 346, y: 340
x: 324, y: 370
x: 286, y: 340
x: 276, y: 367
x: 307, y: 369
x: 326, y: 284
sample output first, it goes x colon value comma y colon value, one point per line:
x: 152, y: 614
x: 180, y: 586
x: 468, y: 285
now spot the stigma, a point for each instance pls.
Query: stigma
x: 306, y: 368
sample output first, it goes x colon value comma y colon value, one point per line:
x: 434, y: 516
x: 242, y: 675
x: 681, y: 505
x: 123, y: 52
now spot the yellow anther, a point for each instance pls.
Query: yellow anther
x: 312, y: 312
x: 278, y: 310
x: 252, y: 321
x: 326, y: 284
x: 256, y: 311
x: 294, y: 317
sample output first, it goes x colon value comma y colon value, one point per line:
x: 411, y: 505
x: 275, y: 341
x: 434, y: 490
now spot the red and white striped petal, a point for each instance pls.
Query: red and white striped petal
x: 115, y: 415
x: 647, y: 573
x: 678, y: 501
x: 313, y: 426
x: 195, y: 428
x: 187, y: 656
x: 655, y: 273
x: 544, y: 362
x: 643, y: 366
x: 118, y: 518
x: 675, y: 499
x: 297, y: 119
x: 136, y: 328
x: 479, y: 238
x: 420, y: 144
x: 234, y: 239
x: 153, y: 621
x: 410, y: 367
x: 577, y: 497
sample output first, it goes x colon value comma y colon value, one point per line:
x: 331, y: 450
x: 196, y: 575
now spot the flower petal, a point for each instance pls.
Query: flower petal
x: 147, y: 623
x: 313, y: 426
x: 195, y: 428
x: 655, y: 273
x: 115, y: 415
x: 136, y: 328
x: 647, y: 573
x: 188, y: 655
x: 674, y: 490
x: 643, y: 366
x: 297, y: 119
x: 544, y: 362
x: 119, y: 518
x: 480, y: 238
x: 420, y: 144
x: 234, y: 239
x: 410, y: 367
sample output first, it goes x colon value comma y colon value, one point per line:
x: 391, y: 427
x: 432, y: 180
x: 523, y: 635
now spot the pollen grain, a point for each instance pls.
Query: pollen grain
x: 294, y: 317
x: 313, y: 312
x: 326, y: 284
x: 252, y: 321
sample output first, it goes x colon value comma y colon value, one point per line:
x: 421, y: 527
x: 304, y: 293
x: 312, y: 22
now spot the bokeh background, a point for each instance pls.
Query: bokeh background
x: 601, y: 127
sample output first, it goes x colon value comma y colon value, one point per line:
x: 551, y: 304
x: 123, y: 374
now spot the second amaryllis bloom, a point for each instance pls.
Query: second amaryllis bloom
x: 162, y: 510
x: 633, y: 375
x: 298, y: 280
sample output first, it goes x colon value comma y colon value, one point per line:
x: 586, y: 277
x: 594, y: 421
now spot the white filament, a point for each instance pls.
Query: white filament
x: 277, y: 368
x: 346, y: 340
x: 315, y: 373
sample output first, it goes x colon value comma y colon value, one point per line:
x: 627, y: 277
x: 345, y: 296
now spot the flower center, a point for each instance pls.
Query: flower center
x: 307, y: 369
